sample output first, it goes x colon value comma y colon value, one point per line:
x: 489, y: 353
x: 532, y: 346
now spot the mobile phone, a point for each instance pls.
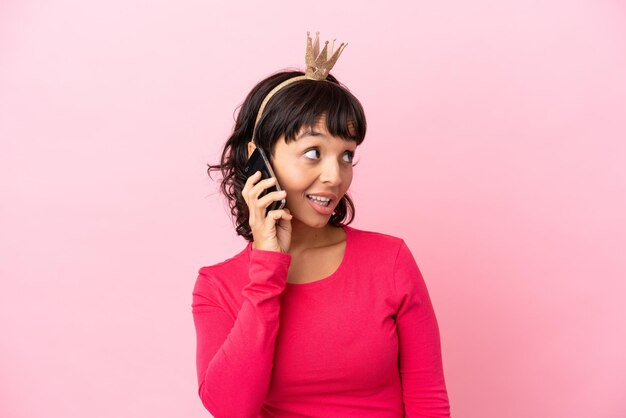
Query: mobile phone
x: 258, y: 161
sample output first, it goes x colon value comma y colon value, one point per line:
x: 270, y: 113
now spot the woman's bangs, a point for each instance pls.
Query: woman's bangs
x: 344, y: 116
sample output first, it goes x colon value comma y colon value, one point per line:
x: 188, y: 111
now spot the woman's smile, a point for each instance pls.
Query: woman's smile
x: 322, y: 207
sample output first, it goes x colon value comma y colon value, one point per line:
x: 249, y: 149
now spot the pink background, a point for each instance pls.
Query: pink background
x: 495, y: 149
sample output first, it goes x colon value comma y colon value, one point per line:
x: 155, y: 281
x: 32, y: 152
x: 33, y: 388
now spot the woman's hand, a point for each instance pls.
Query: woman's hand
x: 271, y: 232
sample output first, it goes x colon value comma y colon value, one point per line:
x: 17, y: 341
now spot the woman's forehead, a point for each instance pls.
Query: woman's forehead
x: 321, y: 127
x: 311, y: 135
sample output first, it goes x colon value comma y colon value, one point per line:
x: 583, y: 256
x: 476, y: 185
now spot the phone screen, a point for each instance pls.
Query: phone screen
x: 258, y: 161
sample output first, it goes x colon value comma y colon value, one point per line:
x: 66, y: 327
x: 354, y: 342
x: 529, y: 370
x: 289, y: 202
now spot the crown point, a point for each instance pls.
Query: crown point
x: 319, y: 63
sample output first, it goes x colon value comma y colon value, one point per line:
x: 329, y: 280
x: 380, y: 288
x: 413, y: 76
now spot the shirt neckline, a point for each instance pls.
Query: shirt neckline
x: 334, y: 275
x: 328, y: 279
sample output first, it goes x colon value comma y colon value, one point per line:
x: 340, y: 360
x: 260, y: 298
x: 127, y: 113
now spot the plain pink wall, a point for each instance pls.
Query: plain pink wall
x: 495, y: 148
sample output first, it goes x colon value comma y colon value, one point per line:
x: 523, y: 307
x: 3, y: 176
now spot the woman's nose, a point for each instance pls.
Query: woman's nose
x: 331, y: 172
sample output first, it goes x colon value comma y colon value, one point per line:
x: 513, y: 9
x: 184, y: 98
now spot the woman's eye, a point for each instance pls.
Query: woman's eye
x: 311, y: 154
x: 310, y: 151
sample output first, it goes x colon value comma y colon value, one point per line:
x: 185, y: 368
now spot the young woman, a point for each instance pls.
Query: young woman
x: 313, y: 318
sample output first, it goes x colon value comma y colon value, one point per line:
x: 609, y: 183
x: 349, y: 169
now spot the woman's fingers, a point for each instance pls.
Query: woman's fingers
x: 257, y: 207
x: 278, y: 214
x: 252, y: 191
x: 271, y: 230
x: 258, y: 188
x: 267, y: 200
x: 249, y: 183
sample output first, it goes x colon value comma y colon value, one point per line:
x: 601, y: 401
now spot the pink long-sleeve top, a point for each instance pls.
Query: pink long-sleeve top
x: 362, y: 342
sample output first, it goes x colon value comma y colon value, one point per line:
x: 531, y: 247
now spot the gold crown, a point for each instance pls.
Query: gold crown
x: 318, y: 66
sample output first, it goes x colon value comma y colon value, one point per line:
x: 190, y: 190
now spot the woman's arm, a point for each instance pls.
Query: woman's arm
x: 234, y: 358
x: 421, y: 370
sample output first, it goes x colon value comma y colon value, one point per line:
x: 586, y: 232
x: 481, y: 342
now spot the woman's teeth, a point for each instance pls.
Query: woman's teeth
x: 322, y: 201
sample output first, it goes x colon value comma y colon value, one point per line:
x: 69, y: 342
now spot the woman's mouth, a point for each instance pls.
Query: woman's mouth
x: 322, y: 201
x: 321, y: 205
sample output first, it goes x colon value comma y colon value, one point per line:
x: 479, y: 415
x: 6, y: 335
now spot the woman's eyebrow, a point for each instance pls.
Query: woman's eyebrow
x: 310, y: 133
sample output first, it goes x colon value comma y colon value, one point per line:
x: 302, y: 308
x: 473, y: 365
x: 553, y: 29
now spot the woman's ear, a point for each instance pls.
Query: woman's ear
x: 251, y: 147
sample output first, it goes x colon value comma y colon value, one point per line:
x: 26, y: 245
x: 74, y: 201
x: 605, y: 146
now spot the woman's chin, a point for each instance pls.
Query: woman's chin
x: 311, y: 223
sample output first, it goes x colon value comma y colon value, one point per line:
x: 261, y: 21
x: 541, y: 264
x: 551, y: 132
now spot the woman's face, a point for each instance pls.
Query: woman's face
x: 316, y: 163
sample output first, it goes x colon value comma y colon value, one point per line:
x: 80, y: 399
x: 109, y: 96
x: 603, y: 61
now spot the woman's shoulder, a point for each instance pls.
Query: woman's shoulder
x: 220, y: 284
x: 228, y: 267
x: 375, y: 240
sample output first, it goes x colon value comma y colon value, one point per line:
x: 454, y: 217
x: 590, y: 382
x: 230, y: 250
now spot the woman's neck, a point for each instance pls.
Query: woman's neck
x: 305, y: 237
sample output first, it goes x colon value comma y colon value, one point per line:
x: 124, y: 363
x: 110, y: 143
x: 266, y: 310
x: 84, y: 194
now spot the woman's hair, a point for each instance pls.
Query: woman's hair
x: 297, y: 105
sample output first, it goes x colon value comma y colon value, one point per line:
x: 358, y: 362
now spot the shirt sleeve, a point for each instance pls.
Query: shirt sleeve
x: 235, y: 358
x: 421, y: 370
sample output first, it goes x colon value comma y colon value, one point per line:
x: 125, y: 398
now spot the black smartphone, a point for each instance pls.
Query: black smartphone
x: 258, y: 161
